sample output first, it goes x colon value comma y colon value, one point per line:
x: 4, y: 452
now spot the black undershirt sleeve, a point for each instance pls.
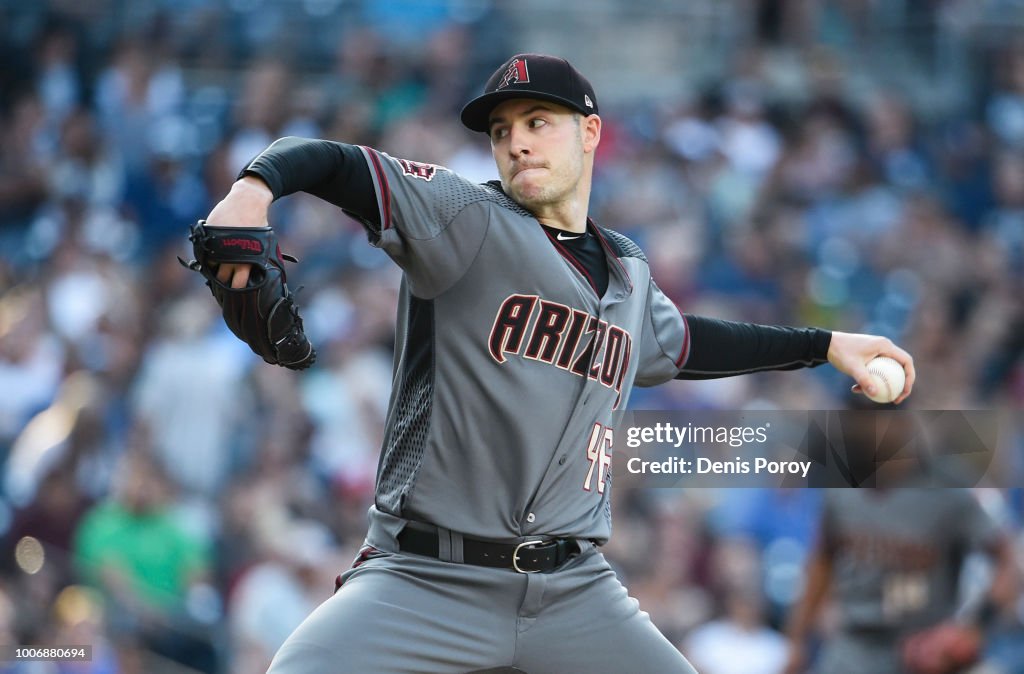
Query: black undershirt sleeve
x: 720, y: 348
x: 335, y: 172
x: 726, y: 348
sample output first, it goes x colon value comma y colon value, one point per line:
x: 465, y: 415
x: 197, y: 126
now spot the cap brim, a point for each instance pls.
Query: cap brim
x: 476, y: 115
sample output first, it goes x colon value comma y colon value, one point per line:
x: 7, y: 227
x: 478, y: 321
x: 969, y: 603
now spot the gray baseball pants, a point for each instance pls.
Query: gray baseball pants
x: 847, y: 653
x: 403, y: 614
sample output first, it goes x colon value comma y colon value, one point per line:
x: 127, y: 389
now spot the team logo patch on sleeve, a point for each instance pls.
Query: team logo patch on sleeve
x: 418, y: 170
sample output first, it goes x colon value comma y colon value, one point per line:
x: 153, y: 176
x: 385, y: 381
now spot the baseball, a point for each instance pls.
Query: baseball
x: 888, y: 377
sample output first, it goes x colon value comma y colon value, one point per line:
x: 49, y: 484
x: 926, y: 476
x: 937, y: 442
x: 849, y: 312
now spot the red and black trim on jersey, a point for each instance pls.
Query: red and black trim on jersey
x: 684, y: 352
x: 619, y: 246
x: 577, y: 264
x: 593, y: 261
x: 614, y: 253
x: 385, y: 189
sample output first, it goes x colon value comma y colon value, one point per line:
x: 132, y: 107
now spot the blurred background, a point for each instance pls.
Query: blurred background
x: 169, y: 499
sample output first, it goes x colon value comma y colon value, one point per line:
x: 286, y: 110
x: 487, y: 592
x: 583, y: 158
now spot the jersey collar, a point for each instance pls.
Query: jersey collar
x: 618, y: 270
x: 614, y: 263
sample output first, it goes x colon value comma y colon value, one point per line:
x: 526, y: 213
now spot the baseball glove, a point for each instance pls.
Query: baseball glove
x: 263, y: 314
x: 943, y: 649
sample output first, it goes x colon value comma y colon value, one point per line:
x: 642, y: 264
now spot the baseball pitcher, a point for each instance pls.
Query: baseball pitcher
x: 523, y: 327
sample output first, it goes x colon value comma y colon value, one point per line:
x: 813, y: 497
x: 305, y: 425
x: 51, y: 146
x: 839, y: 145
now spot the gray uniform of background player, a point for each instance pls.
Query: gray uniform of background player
x: 896, y: 560
x: 494, y: 445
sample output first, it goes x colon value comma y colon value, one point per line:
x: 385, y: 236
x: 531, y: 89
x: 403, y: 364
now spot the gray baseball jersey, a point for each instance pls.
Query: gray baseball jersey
x: 510, y: 371
x: 897, y: 553
x: 896, y: 561
x: 510, y: 375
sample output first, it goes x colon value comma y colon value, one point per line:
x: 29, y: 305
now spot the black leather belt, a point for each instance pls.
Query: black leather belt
x: 531, y: 556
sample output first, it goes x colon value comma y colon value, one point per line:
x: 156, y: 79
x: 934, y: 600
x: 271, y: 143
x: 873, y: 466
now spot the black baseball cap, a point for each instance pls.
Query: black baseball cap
x: 548, y: 78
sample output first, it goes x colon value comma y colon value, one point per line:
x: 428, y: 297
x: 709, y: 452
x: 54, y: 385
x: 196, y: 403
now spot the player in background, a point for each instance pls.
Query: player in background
x: 523, y: 327
x: 891, y: 559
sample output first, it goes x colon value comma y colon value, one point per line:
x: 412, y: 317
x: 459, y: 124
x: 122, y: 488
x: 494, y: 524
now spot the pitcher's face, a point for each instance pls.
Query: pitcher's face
x: 539, y: 150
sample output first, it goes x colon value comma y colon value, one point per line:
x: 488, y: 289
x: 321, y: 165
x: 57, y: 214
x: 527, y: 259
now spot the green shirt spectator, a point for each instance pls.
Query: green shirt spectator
x: 132, y: 546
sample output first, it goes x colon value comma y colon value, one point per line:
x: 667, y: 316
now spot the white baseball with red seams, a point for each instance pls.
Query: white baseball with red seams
x: 889, y: 378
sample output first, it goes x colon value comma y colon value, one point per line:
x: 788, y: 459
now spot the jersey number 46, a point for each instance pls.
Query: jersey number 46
x: 599, y: 454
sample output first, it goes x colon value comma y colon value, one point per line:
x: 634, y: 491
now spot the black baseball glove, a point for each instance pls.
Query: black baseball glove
x: 263, y: 314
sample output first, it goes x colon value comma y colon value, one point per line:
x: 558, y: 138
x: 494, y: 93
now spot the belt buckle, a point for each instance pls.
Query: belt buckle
x: 515, y: 555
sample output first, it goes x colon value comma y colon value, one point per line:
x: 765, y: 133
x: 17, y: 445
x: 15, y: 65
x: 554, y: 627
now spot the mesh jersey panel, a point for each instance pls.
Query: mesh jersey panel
x: 499, y: 197
x: 409, y: 421
x: 623, y: 244
x: 454, y: 194
x: 450, y: 195
x: 403, y: 452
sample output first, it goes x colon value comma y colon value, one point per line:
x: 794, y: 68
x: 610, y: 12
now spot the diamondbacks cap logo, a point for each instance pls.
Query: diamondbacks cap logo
x: 516, y: 73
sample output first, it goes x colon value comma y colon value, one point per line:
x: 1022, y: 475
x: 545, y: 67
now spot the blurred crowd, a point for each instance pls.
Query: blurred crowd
x: 191, y: 505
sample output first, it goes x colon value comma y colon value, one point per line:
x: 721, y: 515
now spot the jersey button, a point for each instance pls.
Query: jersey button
x: 530, y: 518
x: 619, y: 296
x: 561, y: 460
